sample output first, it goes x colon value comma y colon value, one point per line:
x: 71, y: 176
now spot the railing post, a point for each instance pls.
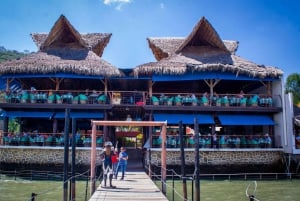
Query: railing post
x: 197, y: 161
x: 66, y: 154
x: 173, y: 186
x: 193, y: 188
x: 86, y: 185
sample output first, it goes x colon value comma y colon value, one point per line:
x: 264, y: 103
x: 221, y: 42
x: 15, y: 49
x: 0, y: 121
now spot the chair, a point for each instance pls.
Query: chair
x: 170, y: 101
x: 6, y: 140
x: 87, y: 142
x: 191, y: 142
x: 24, y: 97
x: 67, y: 98
x: 83, y: 99
x: 154, y: 100
x: 243, y: 102
x: 48, y: 141
x: 24, y: 140
x: 225, y: 101
x: 54, y: 98
x: 99, y: 141
x: 178, y: 100
x: 75, y: 100
x: 218, y: 102
x: 254, y: 100
x: 102, y: 99
x: 204, y: 100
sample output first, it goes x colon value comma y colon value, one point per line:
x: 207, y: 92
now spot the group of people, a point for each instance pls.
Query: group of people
x: 112, y: 163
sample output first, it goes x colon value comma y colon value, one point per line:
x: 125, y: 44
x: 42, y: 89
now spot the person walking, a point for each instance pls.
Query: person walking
x: 106, y: 158
x: 114, y: 160
x: 123, y: 157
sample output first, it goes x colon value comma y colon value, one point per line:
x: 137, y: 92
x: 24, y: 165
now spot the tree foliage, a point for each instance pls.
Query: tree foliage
x: 10, y: 54
x: 293, y: 86
x: 13, y: 126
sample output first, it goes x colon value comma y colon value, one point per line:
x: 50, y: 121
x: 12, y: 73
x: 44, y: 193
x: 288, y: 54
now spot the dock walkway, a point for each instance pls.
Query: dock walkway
x: 136, y: 186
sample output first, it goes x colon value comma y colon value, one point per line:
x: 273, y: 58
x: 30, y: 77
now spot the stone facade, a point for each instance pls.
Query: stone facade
x: 44, y: 156
x: 55, y: 155
x: 220, y: 157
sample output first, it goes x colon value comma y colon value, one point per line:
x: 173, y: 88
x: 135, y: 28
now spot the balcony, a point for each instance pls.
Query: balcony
x: 167, y: 101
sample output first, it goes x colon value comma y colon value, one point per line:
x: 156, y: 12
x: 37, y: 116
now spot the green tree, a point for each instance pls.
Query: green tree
x: 293, y: 86
x: 11, y: 54
x: 13, y: 126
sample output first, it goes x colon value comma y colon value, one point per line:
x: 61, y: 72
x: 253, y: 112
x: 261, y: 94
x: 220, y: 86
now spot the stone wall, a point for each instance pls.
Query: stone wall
x: 220, y: 157
x: 55, y: 155
x: 44, y: 156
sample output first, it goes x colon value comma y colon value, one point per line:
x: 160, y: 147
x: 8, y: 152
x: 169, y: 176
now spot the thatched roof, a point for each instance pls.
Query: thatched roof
x: 65, y: 50
x: 203, y: 34
x: 94, y: 41
x: 164, y: 47
x: 202, y: 50
x: 55, y: 61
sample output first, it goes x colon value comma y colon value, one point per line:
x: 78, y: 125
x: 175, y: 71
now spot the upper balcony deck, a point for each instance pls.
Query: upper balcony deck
x: 100, y: 100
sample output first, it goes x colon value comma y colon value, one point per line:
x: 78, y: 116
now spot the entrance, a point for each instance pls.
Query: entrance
x: 163, y: 126
x: 130, y: 137
x: 130, y: 142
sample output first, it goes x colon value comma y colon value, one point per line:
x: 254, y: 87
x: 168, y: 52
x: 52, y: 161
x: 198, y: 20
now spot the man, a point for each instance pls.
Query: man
x: 106, y: 158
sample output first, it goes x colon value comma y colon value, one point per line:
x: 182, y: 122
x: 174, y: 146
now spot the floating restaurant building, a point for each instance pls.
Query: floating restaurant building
x: 244, y: 116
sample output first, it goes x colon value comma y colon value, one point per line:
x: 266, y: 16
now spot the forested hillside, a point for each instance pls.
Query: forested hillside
x: 10, y: 54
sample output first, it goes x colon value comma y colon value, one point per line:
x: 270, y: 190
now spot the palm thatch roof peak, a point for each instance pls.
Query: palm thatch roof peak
x: 163, y: 47
x: 95, y: 42
x: 65, y: 50
x: 63, y: 34
x: 202, y: 50
x: 203, y: 34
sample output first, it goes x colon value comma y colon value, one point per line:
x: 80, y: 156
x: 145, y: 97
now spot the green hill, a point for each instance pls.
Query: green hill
x: 10, y: 54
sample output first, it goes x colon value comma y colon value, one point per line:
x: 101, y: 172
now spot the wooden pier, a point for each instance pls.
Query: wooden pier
x: 136, y: 186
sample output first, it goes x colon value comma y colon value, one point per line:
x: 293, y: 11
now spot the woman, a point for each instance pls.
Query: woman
x: 106, y: 158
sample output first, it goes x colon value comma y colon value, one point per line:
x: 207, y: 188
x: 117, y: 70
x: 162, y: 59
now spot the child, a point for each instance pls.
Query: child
x: 123, y: 157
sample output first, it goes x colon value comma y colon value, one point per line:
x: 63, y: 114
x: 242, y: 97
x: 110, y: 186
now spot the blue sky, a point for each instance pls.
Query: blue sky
x: 268, y: 31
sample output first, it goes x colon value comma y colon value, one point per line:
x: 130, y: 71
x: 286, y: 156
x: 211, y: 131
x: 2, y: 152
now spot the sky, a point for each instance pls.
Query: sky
x: 268, y: 31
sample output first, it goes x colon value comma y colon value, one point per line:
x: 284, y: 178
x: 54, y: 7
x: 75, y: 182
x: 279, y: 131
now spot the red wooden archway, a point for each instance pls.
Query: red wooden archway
x: 163, y: 126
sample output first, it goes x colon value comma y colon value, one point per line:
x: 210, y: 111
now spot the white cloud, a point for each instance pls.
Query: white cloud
x: 117, y: 3
x: 162, y: 5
